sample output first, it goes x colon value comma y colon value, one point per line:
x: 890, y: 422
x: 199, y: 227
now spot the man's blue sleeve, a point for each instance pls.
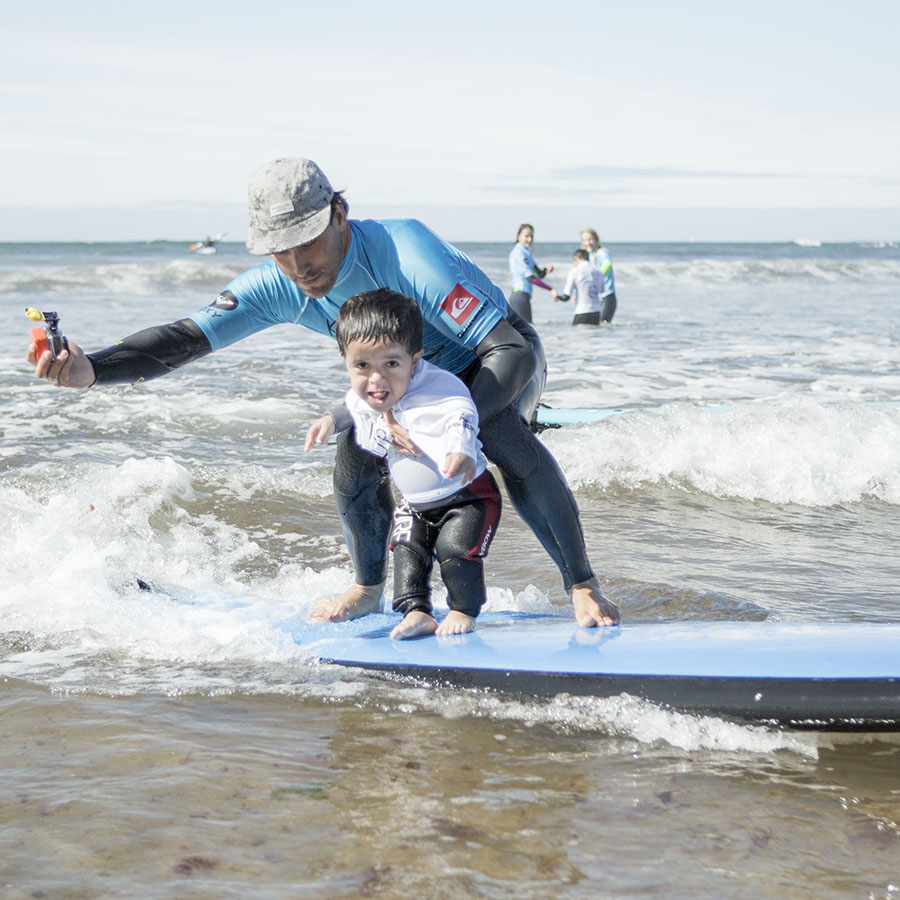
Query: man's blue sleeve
x: 254, y: 300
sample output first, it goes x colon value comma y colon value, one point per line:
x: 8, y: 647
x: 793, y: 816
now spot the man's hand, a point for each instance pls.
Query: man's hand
x: 319, y: 432
x: 71, y: 368
x: 402, y: 440
x: 459, y: 464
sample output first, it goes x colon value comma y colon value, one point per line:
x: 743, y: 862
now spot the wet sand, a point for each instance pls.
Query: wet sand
x: 273, y: 797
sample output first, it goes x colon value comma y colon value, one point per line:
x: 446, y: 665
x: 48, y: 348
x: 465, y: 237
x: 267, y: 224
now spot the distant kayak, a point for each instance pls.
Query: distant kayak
x: 206, y: 246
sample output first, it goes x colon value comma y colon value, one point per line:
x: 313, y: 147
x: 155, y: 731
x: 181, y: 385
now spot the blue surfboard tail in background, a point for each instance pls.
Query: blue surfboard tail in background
x: 555, y: 417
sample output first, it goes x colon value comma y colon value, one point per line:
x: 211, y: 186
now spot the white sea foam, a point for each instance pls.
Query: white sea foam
x: 797, y: 453
x: 75, y: 548
x: 623, y: 716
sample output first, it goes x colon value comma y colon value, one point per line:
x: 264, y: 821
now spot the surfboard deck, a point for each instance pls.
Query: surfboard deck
x: 833, y: 676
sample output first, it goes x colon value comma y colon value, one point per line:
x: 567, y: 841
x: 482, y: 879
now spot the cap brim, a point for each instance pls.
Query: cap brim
x: 277, y: 240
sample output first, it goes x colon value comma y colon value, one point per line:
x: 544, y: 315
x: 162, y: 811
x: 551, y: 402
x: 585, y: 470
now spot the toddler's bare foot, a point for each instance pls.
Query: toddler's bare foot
x: 358, y: 600
x: 414, y: 624
x: 456, y: 623
x: 591, y: 607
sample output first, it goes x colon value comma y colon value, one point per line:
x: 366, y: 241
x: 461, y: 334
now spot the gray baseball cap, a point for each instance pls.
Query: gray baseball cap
x: 290, y: 204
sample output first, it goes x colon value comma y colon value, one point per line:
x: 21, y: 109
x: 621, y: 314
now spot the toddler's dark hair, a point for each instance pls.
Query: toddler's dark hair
x: 381, y: 315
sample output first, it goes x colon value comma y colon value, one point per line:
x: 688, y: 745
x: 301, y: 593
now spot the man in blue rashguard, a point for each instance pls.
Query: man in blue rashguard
x: 319, y: 259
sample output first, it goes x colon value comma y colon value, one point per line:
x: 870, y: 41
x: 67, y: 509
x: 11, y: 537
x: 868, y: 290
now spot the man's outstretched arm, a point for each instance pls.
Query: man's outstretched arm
x: 141, y: 356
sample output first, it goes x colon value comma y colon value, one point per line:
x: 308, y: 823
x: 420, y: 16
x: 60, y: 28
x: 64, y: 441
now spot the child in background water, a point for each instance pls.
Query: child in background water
x: 583, y: 286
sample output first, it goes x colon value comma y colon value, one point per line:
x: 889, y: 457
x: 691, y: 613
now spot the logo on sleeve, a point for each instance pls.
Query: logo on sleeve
x: 225, y: 300
x: 459, y: 304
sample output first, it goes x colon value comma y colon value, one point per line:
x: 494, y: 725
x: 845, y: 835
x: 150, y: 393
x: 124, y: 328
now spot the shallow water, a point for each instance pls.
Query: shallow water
x: 398, y: 796
x: 178, y: 742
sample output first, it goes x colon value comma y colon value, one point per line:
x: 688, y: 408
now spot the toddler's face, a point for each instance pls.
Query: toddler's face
x: 379, y: 373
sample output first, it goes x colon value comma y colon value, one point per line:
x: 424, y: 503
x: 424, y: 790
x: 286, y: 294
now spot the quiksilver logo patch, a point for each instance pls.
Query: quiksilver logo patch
x: 225, y: 300
x: 459, y: 304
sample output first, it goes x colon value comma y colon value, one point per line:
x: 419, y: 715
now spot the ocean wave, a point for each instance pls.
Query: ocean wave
x: 798, y: 453
x: 165, y: 277
x: 136, y: 279
x: 725, y: 271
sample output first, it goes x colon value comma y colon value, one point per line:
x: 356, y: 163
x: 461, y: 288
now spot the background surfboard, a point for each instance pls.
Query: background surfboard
x: 551, y: 416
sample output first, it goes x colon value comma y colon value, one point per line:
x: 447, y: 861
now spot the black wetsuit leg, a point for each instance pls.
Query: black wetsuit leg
x: 539, y: 492
x: 412, y: 542
x: 457, y: 532
x: 365, y: 503
x: 535, y: 483
x: 527, y: 400
x: 521, y: 303
x: 592, y: 318
x: 608, y: 310
x: 466, y: 532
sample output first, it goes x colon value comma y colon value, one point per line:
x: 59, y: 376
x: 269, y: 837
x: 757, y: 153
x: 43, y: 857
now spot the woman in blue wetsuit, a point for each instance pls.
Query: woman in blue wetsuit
x: 525, y: 272
x: 600, y: 258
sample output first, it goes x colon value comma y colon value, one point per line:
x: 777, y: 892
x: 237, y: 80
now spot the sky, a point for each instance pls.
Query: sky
x: 646, y: 120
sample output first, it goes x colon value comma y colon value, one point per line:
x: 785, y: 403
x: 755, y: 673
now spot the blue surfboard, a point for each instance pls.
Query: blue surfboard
x: 550, y: 416
x: 554, y: 417
x: 835, y: 676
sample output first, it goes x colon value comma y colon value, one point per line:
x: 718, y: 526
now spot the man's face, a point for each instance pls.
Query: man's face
x: 314, y: 267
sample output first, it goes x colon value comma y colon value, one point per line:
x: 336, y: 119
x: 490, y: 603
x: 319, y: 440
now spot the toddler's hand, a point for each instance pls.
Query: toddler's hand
x: 459, y: 464
x: 400, y: 435
x: 319, y: 432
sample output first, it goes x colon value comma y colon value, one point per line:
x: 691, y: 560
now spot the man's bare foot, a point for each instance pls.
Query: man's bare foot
x: 414, y: 624
x: 358, y: 600
x: 591, y: 607
x: 456, y: 623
